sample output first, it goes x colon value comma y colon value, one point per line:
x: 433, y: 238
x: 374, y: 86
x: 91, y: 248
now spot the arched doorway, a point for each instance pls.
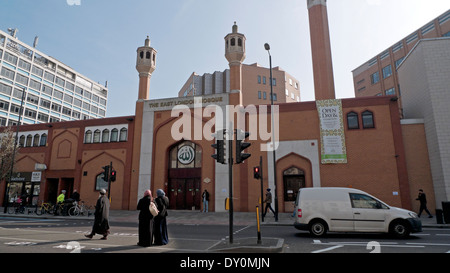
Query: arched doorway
x: 185, y: 172
x: 293, y: 180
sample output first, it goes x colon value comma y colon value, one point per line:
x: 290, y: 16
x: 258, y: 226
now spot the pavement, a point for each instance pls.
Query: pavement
x: 269, y: 245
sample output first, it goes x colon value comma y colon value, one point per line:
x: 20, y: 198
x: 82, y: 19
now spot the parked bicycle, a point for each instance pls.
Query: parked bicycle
x: 82, y: 209
x: 16, y: 208
x: 45, y: 208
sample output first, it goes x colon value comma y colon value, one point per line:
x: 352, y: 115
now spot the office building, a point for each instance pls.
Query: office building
x: 378, y: 76
x: 255, y: 82
x: 53, y: 91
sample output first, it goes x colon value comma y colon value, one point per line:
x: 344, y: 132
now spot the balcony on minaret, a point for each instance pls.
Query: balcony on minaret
x: 235, y: 46
x: 146, y: 59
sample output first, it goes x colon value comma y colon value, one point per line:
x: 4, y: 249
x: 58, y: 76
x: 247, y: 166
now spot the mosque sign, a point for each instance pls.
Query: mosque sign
x: 333, y: 149
x: 186, y: 155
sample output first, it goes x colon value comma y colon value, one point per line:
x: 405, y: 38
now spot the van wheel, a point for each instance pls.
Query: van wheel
x: 318, y: 228
x: 400, y: 229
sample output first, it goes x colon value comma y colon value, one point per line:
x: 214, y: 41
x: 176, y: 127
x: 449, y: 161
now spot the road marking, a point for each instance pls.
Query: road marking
x: 327, y: 249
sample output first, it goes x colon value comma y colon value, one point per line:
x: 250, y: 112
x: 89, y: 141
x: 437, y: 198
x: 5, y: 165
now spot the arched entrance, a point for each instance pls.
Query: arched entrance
x: 293, y: 180
x: 185, y: 172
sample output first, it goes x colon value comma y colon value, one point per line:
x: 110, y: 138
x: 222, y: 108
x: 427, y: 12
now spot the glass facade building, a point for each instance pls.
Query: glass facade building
x: 53, y: 91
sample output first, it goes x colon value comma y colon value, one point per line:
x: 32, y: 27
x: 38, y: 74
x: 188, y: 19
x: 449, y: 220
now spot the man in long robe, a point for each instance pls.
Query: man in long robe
x: 101, y: 221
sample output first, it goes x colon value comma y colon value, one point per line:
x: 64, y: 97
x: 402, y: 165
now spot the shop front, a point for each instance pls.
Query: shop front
x: 25, y: 186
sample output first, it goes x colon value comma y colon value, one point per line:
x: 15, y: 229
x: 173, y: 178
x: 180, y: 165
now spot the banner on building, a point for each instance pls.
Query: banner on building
x: 333, y: 149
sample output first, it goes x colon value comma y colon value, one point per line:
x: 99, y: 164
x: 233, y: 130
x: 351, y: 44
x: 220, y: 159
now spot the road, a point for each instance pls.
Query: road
x: 25, y: 235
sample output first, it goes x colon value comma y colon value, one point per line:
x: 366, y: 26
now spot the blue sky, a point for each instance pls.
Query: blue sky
x: 99, y: 38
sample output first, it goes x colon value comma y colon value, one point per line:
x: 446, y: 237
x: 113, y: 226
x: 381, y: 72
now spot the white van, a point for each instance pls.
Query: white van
x: 349, y: 210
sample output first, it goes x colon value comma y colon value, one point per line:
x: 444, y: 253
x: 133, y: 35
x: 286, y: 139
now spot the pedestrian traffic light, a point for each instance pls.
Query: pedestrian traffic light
x: 219, y: 145
x: 241, y: 146
x: 113, y: 175
x: 106, y: 173
x: 256, y: 172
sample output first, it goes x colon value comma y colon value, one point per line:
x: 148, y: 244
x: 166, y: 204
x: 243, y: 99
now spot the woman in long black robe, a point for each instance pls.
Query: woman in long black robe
x: 160, y: 232
x: 145, y: 220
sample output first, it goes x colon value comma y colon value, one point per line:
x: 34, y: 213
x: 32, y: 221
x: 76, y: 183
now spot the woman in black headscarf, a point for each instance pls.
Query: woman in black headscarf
x: 145, y: 220
x: 162, y: 203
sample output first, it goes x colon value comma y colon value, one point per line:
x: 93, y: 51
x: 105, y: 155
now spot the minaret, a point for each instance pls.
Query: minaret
x: 145, y: 65
x: 321, y: 50
x: 235, y: 54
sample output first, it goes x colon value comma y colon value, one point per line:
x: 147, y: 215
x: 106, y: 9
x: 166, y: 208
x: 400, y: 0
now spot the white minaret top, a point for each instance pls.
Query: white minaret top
x: 146, y: 59
x: 235, y: 46
x: 312, y: 3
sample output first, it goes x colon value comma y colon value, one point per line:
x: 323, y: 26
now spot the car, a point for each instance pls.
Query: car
x: 321, y: 209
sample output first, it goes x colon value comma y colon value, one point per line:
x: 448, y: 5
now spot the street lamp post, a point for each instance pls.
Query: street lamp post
x: 267, y: 47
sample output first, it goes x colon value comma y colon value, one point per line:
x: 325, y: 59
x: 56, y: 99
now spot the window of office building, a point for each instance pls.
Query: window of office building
x: 7, y: 73
x: 60, y: 81
x: 390, y: 91
x: 30, y: 113
x: 5, y: 89
x: 21, y: 79
x: 49, y: 77
x: 57, y: 94
x: 375, y: 77
x: 24, y: 65
x: 47, y: 90
x: 10, y: 58
x: 387, y: 71
x: 45, y: 103
x: 42, y: 117
x: 32, y: 99
x: 35, y: 85
x: 37, y: 71
x: 17, y: 93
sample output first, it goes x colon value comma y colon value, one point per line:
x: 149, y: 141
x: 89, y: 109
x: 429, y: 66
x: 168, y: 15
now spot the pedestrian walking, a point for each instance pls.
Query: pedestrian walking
x: 268, y: 202
x: 101, y: 214
x: 205, y: 199
x: 160, y: 228
x: 423, y: 204
x: 145, y: 228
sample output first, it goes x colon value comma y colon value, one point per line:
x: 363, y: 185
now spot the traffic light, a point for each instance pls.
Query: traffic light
x: 113, y: 175
x: 256, y: 172
x: 106, y: 173
x: 241, y: 146
x: 219, y: 156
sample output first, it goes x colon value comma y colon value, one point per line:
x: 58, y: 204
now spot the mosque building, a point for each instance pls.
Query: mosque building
x: 360, y: 143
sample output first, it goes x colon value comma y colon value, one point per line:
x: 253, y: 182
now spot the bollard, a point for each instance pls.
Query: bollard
x: 258, y: 225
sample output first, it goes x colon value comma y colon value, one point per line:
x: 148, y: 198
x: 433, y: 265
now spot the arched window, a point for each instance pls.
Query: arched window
x: 88, y: 136
x: 29, y: 141
x: 43, y: 141
x: 233, y: 42
x: 141, y: 54
x: 239, y: 42
x: 147, y: 55
x: 123, y: 134
x: 367, y: 119
x: 105, y: 135
x: 21, y: 141
x: 36, y: 140
x: 96, y: 136
x: 114, y: 135
x: 352, y: 121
